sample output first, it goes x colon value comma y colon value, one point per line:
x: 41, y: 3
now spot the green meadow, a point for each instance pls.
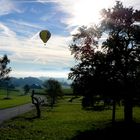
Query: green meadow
x: 15, y: 98
x: 63, y: 122
x: 66, y: 121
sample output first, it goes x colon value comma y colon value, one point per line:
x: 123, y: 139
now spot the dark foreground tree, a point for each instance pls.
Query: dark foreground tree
x: 84, y: 48
x: 123, y: 49
x: 53, y: 89
x: 112, y: 71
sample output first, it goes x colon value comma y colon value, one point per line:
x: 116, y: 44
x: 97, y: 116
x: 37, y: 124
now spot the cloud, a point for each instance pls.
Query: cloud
x: 81, y: 12
x: 25, y: 24
x: 46, y: 1
x: 31, y: 52
x: 34, y: 1
x: 4, y: 30
x: 55, y: 74
x: 56, y: 52
x: 22, y: 27
x: 132, y: 3
x: 8, y: 6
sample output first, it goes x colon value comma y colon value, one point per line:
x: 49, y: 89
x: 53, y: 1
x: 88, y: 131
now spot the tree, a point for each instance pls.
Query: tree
x: 53, y: 89
x: 37, y: 101
x: 112, y: 71
x: 84, y: 47
x: 26, y: 89
x: 123, y: 50
x: 4, y: 72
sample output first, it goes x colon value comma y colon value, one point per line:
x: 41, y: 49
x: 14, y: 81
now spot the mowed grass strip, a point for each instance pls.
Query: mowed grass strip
x: 15, y: 99
x: 61, y: 123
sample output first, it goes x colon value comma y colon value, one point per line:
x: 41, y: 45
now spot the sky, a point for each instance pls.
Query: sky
x: 22, y: 20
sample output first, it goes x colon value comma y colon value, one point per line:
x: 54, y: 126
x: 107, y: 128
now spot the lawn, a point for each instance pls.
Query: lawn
x: 67, y: 91
x: 15, y: 99
x: 63, y: 122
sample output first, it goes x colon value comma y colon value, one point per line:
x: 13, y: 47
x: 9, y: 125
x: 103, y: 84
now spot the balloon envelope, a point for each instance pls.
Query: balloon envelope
x: 45, y: 35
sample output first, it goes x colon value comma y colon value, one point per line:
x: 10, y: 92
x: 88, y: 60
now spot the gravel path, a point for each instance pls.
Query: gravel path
x: 9, y: 113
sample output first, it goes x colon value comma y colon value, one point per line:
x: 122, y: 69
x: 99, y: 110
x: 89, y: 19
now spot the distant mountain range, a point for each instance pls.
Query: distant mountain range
x: 61, y: 80
x: 18, y: 82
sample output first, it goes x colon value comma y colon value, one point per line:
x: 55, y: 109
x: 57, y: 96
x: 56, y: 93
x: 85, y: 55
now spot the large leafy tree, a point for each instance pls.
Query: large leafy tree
x: 114, y: 69
x: 123, y: 50
x: 84, y: 48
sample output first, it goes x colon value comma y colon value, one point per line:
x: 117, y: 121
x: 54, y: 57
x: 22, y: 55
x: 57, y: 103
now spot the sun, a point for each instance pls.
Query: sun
x: 88, y: 11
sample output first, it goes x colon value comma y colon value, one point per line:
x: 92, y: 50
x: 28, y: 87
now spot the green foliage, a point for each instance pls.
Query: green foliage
x: 26, y: 89
x: 53, y: 89
x: 60, y: 124
x: 123, y: 52
x: 4, y: 70
x: 67, y: 91
x: 113, y: 70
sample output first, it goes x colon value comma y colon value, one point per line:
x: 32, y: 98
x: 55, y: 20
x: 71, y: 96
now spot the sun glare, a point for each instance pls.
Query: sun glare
x: 88, y: 11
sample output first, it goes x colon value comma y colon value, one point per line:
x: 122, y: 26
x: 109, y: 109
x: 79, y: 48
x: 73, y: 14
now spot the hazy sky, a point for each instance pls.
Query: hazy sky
x: 22, y: 20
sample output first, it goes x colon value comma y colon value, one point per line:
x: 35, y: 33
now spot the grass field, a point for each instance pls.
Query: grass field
x: 15, y: 99
x: 67, y: 91
x: 63, y: 122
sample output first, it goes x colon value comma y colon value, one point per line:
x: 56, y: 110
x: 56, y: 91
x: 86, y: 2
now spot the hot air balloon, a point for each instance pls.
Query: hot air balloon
x: 45, y: 35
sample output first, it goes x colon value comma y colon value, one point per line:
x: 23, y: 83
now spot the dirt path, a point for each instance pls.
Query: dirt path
x: 9, y: 113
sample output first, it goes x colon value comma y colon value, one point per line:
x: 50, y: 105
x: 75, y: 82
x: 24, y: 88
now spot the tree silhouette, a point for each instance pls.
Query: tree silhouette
x: 112, y: 71
x: 123, y: 49
x: 83, y: 48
